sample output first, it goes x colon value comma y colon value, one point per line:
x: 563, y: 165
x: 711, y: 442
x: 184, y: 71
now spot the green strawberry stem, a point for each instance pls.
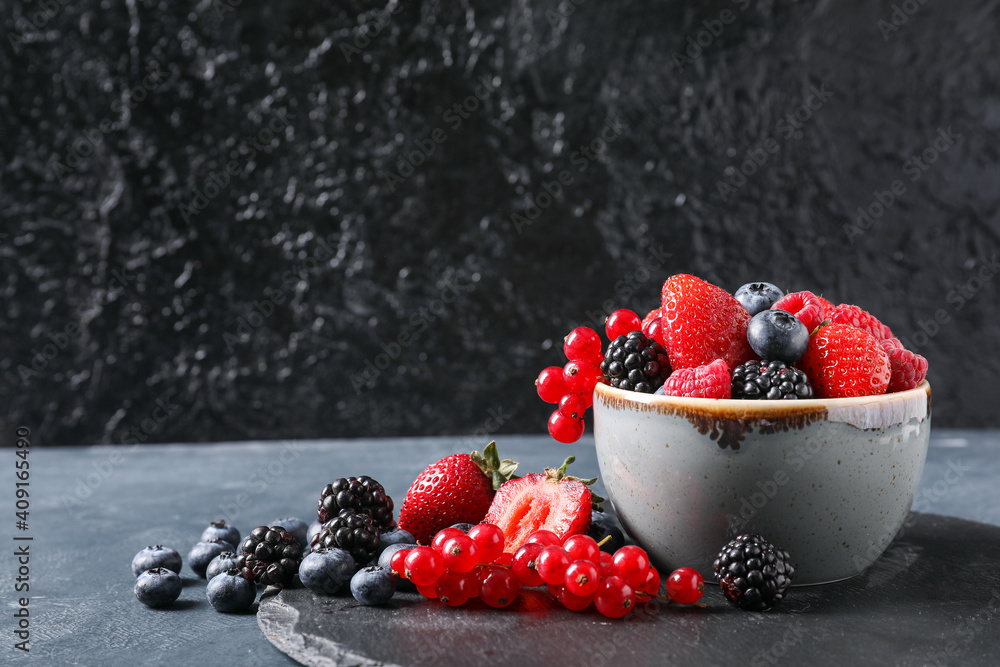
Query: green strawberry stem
x: 499, y: 471
x: 556, y: 475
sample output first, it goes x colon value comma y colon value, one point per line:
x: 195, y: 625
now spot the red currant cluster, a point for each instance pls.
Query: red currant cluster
x: 572, y: 386
x: 458, y: 567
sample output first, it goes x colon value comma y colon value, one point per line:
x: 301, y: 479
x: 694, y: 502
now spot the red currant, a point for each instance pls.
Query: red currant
x: 614, y: 597
x: 423, y: 566
x: 544, y: 537
x: 489, y: 539
x: 630, y: 563
x: 554, y: 590
x: 583, y: 344
x: 582, y: 578
x: 429, y: 592
x: 499, y: 587
x: 565, y: 429
x: 551, y: 565
x: 581, y: 378
x: 474, y: 581
x: 396, y: 563
x: 621, y: 323
x: 685, y: 585
x: 442, y: 536
x: 649, y: 588
x: 452, y: 589
x: 460, y: 554
x: 573, y: 406
x: 551, y: 384
x: 524, y: 564
x: 582, y: 547
x: 574, y: 602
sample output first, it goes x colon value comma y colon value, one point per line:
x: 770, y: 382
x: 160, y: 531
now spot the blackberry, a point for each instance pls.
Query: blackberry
x: 353, y: 531
x: 356, y: 493
x: 270, y: 556
x: 636, y: 363
x: 753, y: 574
x: 770, y: 380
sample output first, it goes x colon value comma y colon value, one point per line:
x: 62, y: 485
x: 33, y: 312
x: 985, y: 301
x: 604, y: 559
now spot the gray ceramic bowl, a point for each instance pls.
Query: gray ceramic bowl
x: 830, y: 480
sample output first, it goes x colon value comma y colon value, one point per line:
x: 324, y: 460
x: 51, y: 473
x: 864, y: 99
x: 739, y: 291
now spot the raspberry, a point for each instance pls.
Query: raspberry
x: 708, y: 381
x: 843, y: 361
x: 856, y: 317
x: 827, y: 308
x: 805, y: 306
x: 908, y: 368
x: 701, y: 323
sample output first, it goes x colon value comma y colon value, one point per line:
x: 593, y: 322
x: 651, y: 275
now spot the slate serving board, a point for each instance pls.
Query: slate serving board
x: 932, y: 599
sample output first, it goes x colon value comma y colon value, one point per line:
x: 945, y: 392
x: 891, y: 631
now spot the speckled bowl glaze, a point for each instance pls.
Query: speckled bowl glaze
x: 830, y: 480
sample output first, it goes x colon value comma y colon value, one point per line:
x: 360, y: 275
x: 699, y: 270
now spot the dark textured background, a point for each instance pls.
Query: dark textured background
x: 121, y: 251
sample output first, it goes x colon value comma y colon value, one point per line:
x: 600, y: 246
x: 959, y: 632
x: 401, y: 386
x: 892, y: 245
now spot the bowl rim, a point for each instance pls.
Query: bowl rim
x: 761, y: 407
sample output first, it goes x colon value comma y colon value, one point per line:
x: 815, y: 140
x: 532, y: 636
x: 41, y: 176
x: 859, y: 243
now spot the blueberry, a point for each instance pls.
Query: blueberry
x: 157, y: 587
x: 231, y: 592
x: 602, y: 526
x: 224, y: 561
x: 661, y: 390
x: 202, y: 554
x: 297, y: 527
x: 398, y: 536
x: 777, y: 335
x: 219, y: 529
x: 314, y: 529
x: 758, y: 297
x: 327, y: 571
x: 464, y: 527
x: 373, y: 585
x: 157, y: 556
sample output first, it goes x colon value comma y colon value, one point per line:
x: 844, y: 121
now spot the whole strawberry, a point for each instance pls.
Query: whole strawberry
x: 457, y: 489
x: 542, y: 501
x: 701, y: 323
x: 843, y: 361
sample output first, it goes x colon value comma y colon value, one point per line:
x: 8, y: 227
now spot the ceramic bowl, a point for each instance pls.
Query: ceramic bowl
x: 831, y: 481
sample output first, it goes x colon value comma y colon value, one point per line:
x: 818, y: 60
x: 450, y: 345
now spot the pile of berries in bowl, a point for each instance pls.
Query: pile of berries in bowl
x: 719, y: 414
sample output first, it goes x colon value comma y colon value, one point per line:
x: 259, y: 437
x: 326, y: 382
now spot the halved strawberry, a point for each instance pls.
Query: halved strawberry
x: 537, y: 501
x: 457, y: 489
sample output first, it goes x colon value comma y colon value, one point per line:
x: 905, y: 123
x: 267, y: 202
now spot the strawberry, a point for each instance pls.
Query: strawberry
x: 843, y: 361
x: 702, y: 323
x: 457, y: 489
x: 856, y: 317
x: 708, y: 381
x: 908, y: 368
x: 550, y: 501
x: 805, y: 306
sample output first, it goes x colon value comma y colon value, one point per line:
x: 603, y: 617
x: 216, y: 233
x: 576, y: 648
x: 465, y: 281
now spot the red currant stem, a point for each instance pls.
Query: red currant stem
x: 604, y: 541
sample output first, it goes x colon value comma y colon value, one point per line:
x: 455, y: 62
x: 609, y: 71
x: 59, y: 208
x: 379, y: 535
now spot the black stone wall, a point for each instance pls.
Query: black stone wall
x: 217, y: 215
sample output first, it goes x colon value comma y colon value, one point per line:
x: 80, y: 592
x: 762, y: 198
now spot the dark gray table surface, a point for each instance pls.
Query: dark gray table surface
x: 93, y: 508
